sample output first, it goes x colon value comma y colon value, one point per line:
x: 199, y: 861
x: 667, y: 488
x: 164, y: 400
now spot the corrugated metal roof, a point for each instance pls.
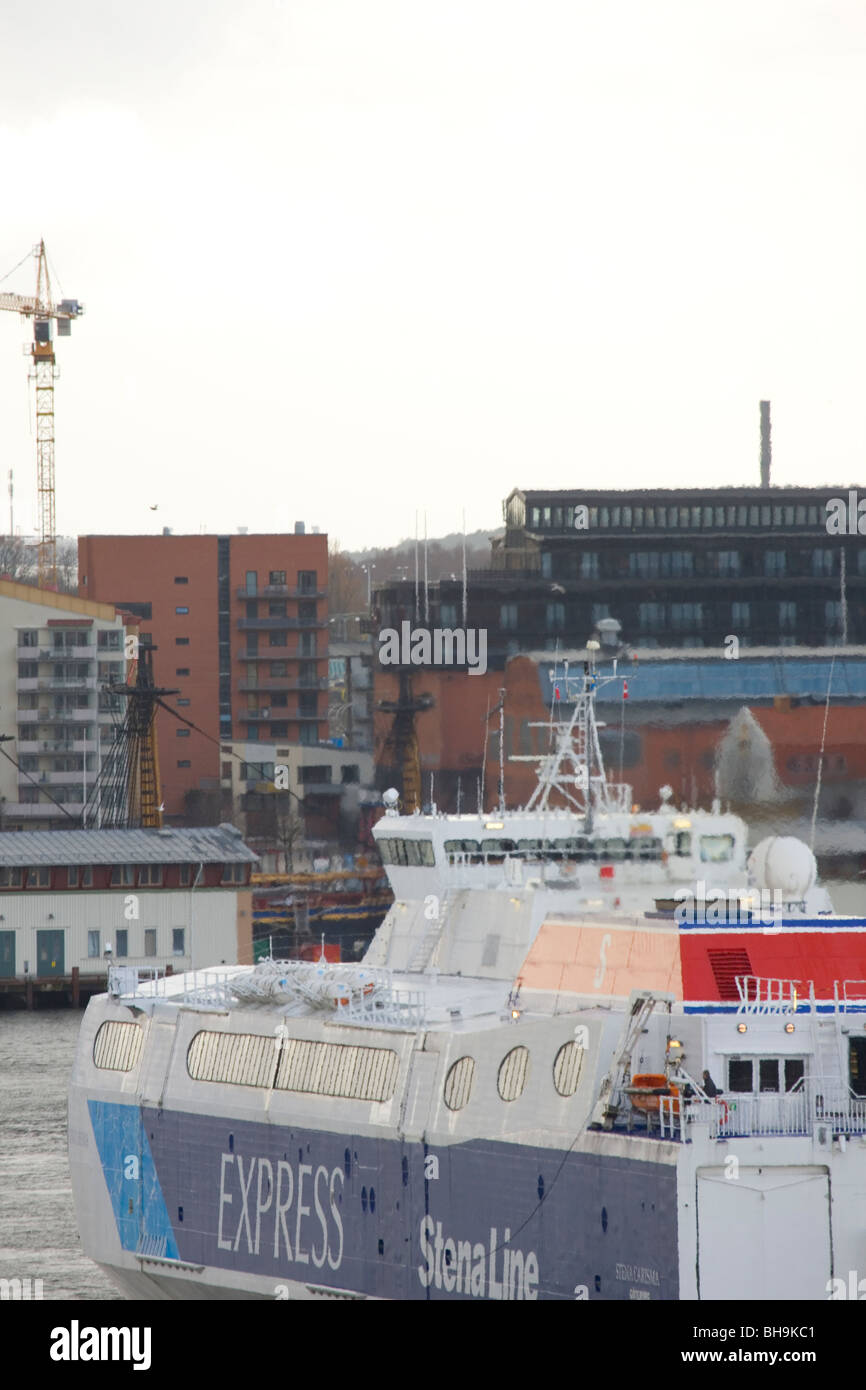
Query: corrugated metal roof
x: 715, y: 679
x: 207, y: 845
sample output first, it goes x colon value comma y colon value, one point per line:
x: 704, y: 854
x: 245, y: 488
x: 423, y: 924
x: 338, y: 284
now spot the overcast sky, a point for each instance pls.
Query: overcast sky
x: 344, y: 259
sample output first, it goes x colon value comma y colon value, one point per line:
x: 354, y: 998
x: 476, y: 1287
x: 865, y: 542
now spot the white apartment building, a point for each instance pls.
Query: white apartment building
x: 57, y: 654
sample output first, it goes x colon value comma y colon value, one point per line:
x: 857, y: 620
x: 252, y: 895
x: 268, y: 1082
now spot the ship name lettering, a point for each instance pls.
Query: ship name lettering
x: 493, y: 1271
x: 637, y: 1274
x: 264, y: 1227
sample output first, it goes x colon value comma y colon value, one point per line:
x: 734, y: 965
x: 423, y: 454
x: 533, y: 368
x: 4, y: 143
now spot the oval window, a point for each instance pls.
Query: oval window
x: 458, y: 1083
x: 513, y: 1072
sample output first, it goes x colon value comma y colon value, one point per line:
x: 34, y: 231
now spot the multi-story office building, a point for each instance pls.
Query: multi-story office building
x: 58, y: 653
x: 239, y: 628
x: 684, y: 568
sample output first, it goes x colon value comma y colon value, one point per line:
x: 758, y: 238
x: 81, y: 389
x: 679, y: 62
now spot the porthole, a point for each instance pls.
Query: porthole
x: 513, y: 1072
x: 567, y: 1067
x: 458, y: 1083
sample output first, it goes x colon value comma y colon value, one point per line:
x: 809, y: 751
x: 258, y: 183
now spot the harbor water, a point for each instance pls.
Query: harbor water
x: 38, y: 1232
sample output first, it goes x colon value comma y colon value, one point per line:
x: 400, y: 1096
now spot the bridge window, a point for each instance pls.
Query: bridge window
x: 740, y: 1075
x: 419, y: 853
x: 717, y: 849
x: 644, y: 847
x: 470, y: 847
x: 769, y: 1074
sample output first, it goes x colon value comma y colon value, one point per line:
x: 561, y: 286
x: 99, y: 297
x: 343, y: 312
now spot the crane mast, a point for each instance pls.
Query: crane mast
x: 44, y: 373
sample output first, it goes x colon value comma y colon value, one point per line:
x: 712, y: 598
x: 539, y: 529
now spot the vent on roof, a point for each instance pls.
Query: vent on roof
x: 726, y: 966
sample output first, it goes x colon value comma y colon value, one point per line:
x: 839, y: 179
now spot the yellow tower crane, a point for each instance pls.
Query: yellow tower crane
x: 44, y: 313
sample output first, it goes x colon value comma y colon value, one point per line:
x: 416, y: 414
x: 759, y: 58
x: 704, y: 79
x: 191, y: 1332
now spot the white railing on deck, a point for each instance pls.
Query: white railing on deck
x: 207, y: 989
x: 797, y: 1112
x: 387, y: 1008
x: 853, y: 995
x: 136, y: 981
x: 763, y: 995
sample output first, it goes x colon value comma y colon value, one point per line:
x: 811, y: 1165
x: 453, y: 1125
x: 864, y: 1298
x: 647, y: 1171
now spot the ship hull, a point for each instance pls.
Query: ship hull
x: 225, y: 1206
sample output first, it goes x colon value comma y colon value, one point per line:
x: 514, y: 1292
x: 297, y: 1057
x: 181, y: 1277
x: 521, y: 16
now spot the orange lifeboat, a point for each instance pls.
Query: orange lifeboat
x: 646, y: 1091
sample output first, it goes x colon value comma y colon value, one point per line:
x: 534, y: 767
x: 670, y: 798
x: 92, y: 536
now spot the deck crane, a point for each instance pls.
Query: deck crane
x: 43, y: 312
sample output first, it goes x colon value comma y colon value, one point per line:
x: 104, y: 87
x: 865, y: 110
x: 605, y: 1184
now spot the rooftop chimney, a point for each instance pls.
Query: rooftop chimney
x: 766, y: 446
x: 299, y: 528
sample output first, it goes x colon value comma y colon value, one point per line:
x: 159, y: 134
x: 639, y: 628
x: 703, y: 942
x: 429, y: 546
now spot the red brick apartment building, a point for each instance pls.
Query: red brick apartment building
x: 239, y: 624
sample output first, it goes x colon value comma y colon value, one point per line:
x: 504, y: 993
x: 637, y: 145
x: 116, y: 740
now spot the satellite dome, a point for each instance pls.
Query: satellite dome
x: 391, y: 796
x: 785, y: 863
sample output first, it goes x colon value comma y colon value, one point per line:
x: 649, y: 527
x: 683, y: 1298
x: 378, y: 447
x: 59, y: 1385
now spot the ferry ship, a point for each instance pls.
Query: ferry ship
x: 522, y: 1092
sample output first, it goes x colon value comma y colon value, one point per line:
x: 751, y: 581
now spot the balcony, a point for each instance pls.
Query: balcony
x: 279, y: 714
x: 280, y: 591
x: 64, y: 683
x: 284, y: 683
x: 55, y: 716
x: 278, y: 624
x: 42, y: 810
x: 87, y: 653
x: 50, y: 779
x: 278, y: 654
x: 57, y: 745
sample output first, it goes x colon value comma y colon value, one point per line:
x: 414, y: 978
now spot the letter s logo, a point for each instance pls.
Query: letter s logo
x: 602, y: 960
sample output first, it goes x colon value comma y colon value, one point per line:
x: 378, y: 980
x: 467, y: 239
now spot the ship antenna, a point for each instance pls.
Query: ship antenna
x: 502, y: 752
x: 416, y: 565
x: 464, y: 567
x: 821, y: 756
x: 426, y: 588
x: 484, y: 756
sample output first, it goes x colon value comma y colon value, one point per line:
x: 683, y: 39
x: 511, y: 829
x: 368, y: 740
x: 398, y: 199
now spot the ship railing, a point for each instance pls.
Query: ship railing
x: 764, y: 995
x: 402, y: 1009
x: 736, y: 1115
x: 851, y: 998
x: 136, y: 981
x: 207, y: 989
x: 670, y: 1117
x: 820, y: 1101
x: 834, y: 1104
